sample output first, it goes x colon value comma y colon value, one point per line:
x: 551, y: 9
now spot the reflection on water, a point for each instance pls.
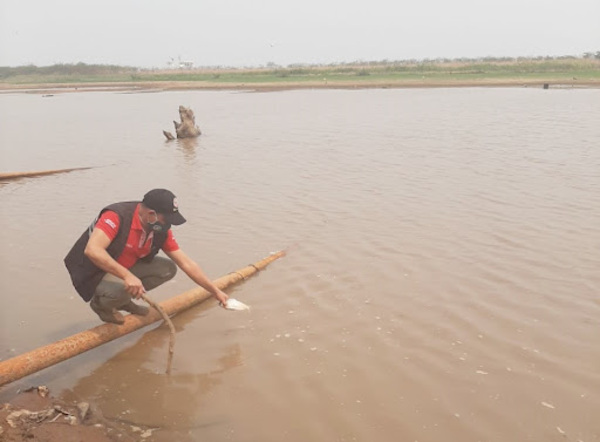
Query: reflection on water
x: 443, y: 284
x: 134, y: 393
x: 187, y: 146
x: 174, y: 405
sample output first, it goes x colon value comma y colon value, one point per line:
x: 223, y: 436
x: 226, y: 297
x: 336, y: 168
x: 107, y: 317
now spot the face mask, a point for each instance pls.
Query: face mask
x: 158, y: 227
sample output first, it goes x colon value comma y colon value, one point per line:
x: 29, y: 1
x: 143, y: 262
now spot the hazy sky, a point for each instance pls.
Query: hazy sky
x: 148, y: 33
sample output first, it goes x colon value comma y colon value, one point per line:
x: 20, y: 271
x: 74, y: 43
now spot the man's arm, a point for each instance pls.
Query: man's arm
x: 196, y: 274
x: 95, y: 250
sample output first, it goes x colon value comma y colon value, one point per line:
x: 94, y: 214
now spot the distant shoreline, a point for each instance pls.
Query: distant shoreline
x: 157, y: 86
x: 533, y: 73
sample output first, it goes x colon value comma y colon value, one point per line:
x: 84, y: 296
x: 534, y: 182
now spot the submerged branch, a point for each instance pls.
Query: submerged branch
x: 171, y: 327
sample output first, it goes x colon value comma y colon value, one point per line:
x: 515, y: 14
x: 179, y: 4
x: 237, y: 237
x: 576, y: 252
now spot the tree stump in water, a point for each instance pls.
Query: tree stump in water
x: 187, y: 128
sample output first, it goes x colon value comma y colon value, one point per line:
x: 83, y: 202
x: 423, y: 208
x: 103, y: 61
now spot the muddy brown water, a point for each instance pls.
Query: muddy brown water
x: 443, y: 280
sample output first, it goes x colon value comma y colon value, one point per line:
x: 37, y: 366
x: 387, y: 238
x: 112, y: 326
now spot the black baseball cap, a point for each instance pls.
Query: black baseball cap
x: 163, y: 201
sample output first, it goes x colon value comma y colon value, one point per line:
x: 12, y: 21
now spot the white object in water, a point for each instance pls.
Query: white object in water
x: 234, y: 304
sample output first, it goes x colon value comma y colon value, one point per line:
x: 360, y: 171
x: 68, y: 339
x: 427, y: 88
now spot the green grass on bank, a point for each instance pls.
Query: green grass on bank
x: 551, y: 69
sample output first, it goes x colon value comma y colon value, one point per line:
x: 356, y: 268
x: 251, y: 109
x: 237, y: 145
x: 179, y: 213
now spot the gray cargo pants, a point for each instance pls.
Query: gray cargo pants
x: 111, y: 294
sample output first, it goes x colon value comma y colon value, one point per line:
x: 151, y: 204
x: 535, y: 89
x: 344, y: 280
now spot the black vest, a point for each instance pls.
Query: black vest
x: 84, y: 274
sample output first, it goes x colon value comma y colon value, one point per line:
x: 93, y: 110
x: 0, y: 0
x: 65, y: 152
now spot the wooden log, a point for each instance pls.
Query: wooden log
x: 43, y: 357
x: 15, y: 175
x: 187, y: 128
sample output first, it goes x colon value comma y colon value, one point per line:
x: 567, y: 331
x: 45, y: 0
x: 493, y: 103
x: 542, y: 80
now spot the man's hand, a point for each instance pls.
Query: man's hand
x: 197, y: 275
x: 134, y: 286
x: 95, y: 250
x: 221, y: 297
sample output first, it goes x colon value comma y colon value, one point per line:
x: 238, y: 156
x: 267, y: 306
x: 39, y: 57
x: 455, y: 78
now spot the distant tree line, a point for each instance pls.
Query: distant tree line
x: 65, y: 69
x: 360, y: 68
x: 465, y: 60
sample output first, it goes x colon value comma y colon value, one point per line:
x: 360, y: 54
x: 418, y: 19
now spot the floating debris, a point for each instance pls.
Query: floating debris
x: 146, y: 434
x: 39, y: 413
x: 83, y: 408
x: 547, y: 405
x: 42, y: 390
x: 18, y: 416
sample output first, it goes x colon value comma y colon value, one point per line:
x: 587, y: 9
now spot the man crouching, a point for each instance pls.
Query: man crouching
x: 115, y: 259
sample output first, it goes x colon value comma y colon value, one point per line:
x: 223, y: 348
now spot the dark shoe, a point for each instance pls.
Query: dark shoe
x: 106, y: 315
x: 136, y: 309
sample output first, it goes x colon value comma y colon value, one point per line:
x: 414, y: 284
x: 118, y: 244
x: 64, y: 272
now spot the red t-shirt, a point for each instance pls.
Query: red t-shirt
x: 138, y: 242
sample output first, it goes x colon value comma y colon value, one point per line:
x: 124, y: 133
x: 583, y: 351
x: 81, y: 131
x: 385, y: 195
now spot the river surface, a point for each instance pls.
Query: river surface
x: 442, y: 281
